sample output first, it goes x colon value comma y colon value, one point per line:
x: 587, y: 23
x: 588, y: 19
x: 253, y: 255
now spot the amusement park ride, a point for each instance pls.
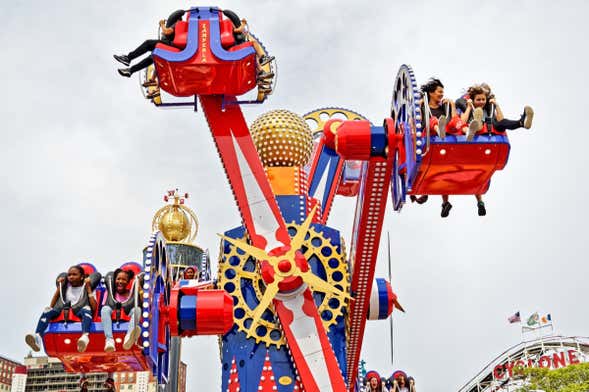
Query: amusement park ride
x: 288, y: 301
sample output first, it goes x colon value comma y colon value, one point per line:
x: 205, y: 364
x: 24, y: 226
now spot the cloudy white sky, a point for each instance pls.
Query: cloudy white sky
x: 84, y: 161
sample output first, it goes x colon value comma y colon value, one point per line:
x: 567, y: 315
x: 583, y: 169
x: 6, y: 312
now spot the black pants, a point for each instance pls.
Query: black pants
x: 503, y: 125
x: 146, y: 46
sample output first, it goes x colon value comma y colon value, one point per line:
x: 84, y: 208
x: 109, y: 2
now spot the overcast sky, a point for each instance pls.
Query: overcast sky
x: 84, y: 161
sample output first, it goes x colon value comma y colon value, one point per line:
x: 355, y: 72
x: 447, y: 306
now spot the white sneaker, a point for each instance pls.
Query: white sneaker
x: 131, y: 337
x: 528, y: 117
x: 109, y: 346
x: 473, y: 128
x: 83, y: 342
x: 34, y: 341
x: 477, y: 114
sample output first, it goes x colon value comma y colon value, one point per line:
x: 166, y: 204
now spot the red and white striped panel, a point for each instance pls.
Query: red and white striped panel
x: 370, y: 209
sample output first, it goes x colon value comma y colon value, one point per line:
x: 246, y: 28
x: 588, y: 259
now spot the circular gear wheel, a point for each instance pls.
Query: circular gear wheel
x: 406, y: 112
x: 239, y: 276
x: 317, y: 118
x: 157, y: 284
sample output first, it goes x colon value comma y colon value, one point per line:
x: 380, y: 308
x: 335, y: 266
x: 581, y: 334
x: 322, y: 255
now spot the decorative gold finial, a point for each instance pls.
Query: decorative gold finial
x: 177, y: 222
x: 282, y: 138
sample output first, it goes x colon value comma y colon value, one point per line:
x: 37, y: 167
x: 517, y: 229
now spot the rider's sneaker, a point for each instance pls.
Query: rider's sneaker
x: 131, y: 337
x: 34, y: 341
x: 482, y: 209
x: 421, y: 199
x: 126, y: 72
x: 473, y: 128
x: 123, y: 59
x: 442, y: 122
x: 446, y: 207
x: 527, y: 117
x: 83, y: 342
x: 477, y: 114
x: 109, y: 345
x: 266, y: 59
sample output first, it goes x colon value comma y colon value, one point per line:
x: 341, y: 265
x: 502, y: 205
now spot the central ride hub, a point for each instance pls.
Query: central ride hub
x: 284, y: 266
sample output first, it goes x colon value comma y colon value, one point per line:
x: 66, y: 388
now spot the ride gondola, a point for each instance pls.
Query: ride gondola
x: 427, y: 164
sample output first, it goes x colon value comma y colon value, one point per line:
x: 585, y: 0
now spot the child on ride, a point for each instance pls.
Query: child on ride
x: 434, y: 91
x: 121, y: 297
x: 373, y: 382
x: 190, y: 273
x: 480, y: 96
x: 401, y: 383
x: 75, y: 293
x: 477, y: 104
x: 439, y: 121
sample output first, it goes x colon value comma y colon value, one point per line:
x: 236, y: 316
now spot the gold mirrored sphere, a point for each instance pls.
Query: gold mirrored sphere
x: 175, y: 224
x: 282, y: 138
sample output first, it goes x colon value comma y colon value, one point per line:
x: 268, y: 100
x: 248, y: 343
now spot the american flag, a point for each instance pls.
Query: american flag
x: 515, y: 318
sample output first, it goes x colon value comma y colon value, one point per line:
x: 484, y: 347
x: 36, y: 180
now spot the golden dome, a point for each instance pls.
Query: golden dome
x: 282, y: 138
x: 177, y: 222
x: 174, y: 224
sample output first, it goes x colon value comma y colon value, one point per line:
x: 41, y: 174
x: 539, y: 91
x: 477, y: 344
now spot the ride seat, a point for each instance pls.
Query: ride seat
x: 90, y: 271
x: 130, y: 266
x: 227, y: 37
x: 455, y: 167
x: 205, y: 66
x: 180, y: 34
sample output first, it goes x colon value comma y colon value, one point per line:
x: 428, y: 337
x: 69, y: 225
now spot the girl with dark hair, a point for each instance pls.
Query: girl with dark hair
x: 190, y: 273
x: 75, y: 293
x: 480, y: 96
x: 120, y: 297
x: 477, y: 104
x: 400, y: 382
x: 441, y: 124
x: 440, y: 121
x: 373, y: 382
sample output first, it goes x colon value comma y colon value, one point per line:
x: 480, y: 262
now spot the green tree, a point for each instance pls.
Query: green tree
x: 573, y: 378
